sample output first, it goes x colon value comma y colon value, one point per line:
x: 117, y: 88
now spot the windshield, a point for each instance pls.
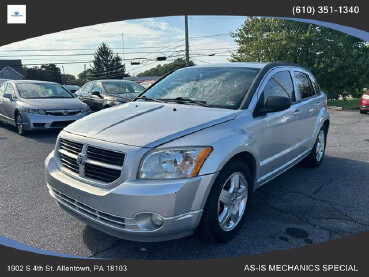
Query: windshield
x: 222, y: 87
x: 42, y: 90
x: 122, y: 87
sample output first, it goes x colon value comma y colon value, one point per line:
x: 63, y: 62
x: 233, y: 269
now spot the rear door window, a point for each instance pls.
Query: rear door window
x: 305, y: 87
x: 280, y: 84
x: 315, y: 85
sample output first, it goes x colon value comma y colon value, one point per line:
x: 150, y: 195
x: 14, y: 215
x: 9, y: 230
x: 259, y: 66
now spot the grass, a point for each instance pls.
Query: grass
x: 349, y: 104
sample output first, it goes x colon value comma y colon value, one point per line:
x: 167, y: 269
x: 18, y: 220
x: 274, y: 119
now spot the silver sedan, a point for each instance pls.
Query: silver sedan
x: 30, y: 105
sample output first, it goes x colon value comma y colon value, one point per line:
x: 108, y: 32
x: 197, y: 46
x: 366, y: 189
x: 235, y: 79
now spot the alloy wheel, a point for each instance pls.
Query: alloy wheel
x: 19, y: 124
x: 232, y: 201
x: 320, y: 145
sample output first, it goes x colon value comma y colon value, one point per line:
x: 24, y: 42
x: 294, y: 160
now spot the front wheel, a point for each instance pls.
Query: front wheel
x: 19, y: 124
x: 227, y: 204
x: 316, y: 156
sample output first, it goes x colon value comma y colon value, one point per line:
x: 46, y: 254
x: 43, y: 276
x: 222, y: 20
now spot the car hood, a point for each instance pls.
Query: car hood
x: 148, y: 124
x: 55, y: 104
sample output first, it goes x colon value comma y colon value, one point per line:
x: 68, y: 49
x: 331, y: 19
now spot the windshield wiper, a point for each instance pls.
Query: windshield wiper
x: 188, y: 100
x: 149, y: 99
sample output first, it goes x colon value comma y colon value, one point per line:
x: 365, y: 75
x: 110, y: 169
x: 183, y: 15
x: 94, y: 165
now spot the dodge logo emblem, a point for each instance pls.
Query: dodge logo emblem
x: 80, y: 159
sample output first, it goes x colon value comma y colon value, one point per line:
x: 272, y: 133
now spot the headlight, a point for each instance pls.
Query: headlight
x: 366, y: 96
x: 37, y: 111
x: 173, y: 163
x: 86, y: 110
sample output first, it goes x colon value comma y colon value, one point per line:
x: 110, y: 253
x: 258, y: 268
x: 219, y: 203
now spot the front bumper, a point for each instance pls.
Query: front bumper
x: 117, y: 211
x: 37, y: 121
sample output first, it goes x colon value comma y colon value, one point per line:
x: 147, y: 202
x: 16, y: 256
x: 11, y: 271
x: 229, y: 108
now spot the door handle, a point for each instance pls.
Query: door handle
x: 317, y: 103
x: 296, y: 112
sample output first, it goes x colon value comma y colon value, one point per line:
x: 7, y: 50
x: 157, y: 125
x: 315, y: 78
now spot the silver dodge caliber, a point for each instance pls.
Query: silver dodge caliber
x: 188, y: 153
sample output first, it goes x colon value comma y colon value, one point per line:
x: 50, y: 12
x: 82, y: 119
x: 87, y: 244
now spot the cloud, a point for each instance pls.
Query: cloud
x: 164, y: 38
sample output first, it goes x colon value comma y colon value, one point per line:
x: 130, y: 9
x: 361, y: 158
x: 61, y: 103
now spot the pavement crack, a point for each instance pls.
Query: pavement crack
x: 328, y: 203
x: 105, y: 249
x: 323, y: 185
x: 306, y: 221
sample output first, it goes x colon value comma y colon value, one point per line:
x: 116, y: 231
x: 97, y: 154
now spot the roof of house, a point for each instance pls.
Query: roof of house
x: 15, y: 65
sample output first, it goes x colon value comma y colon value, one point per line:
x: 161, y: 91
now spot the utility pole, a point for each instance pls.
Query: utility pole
x: 65, y: 78
x: 124, y: 60
x: 187, y: 45
x: 85, y: 74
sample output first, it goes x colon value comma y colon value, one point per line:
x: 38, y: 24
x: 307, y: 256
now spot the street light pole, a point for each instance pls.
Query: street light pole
x: 187, y: 44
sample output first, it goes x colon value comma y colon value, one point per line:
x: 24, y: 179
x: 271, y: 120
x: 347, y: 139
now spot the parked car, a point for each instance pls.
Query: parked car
x: 72, y: 88
x: 190, y: 151
x: 364, y: 102
x: 103, y: 94
x: 31, y: 105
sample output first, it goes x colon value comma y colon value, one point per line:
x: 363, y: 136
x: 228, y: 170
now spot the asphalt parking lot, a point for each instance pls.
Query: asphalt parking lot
x: 302, y: 206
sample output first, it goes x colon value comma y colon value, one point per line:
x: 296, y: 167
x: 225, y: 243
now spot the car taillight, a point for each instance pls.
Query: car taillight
x: 365, y: 96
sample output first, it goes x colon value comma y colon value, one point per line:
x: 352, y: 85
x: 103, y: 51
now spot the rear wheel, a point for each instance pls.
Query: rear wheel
x: 316, y: 156
x: 20, y: 124
x: 227, y: 204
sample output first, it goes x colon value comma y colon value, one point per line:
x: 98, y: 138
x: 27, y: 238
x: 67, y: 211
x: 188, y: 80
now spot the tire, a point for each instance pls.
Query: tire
x: 363, y: 112
x: 316, y: 156
x: 19, y: 124
x: 210, y: 228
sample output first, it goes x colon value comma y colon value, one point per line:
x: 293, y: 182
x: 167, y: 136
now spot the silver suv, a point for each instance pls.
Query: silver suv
x: 188, y: 153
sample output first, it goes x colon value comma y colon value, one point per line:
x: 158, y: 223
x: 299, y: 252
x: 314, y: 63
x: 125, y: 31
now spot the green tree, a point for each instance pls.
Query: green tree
x: 161, y: 70
x: 68, y: 79
x: 107, y: 65
x: 339, y: 61
x: 85, y: 75
x: 47, y: 72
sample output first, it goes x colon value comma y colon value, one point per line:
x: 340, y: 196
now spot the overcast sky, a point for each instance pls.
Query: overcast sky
x: 143, y: 38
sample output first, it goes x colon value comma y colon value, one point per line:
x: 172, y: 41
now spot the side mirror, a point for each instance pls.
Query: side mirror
x: 273, y: 104
x: 96, y: 93
x: 8, y: 96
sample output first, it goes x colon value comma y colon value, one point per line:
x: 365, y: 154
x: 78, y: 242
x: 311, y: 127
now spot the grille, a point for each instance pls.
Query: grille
x: 101, y: 173
x: 105, y: 156
x: 70, y: 146
x: 112, y: 220
x: 61, y: 124
x: 69, y: 163
x: 97, y: 164
x: 63, y: 113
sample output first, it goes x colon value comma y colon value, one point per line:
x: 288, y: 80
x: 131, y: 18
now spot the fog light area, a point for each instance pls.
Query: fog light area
x: 149, y: 221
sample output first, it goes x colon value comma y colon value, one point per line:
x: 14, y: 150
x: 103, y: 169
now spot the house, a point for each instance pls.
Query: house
x: 11, y: 69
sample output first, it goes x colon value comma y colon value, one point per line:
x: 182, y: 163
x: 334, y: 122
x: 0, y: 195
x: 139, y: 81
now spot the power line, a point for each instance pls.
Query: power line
x: 210, y: 36
x: 78, y: 49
